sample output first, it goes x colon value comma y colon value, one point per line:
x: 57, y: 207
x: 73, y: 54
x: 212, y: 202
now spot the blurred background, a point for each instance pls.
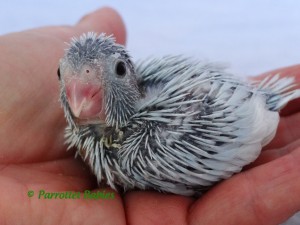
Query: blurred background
x: 251, y: 36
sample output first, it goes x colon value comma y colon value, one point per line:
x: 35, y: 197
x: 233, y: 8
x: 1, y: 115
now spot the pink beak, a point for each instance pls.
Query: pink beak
x: 85, y: 99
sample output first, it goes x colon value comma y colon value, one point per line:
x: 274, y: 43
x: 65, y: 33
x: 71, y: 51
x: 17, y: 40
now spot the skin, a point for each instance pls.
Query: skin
x: 33, y: 156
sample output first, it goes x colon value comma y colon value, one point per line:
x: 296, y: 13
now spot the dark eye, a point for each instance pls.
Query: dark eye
x: 120, y: 68
x: 58, y: 73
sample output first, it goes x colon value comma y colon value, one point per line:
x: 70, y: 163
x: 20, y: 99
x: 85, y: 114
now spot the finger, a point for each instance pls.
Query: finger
x: 153, y: 208
x: 63, y: 174
x: 288, y: 131
x: 273, y: 154
x: 104, y: 20
x: 62, y: 211
x: 75, y: 207
x: 114, y: 23
x: 291, y: 71
x: 267, y: 194
x: 291, y: 108
x: 69, y: 167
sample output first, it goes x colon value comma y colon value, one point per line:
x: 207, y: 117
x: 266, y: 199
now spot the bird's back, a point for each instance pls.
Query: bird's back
x: 194, y: 126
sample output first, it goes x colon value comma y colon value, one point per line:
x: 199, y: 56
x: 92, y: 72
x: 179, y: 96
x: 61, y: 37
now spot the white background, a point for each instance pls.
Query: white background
x: 252, y: 36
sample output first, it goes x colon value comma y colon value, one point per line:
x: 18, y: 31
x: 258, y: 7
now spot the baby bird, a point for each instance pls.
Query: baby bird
x: 170, y: 124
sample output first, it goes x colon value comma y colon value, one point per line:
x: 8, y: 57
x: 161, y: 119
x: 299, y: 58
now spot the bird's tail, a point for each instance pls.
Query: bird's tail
x: 279, y: 91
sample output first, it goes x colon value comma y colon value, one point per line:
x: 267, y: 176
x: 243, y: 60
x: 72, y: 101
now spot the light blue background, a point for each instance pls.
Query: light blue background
x: 251, y: 36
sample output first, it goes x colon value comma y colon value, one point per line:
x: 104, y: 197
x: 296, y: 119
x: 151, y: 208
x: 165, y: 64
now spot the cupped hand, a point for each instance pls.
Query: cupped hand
x: 33, y: 156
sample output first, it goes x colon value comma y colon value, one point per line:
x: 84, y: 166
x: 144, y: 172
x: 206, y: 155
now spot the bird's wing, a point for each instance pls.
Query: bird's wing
x: 153, y: 71
x: 195, y: 129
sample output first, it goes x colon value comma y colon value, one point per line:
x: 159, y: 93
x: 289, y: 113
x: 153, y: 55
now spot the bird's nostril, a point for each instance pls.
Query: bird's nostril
x: 94, y: 94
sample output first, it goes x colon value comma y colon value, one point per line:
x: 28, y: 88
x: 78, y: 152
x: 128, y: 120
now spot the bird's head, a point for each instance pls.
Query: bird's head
x: 98, y: 81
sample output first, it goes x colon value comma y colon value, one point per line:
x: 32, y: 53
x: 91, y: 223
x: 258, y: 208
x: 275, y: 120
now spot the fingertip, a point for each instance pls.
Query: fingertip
x: 293, y: 72
x: 289, y: 71
x: 104, y: 20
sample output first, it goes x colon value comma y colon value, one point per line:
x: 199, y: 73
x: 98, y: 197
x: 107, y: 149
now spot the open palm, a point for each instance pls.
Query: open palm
x: 33, y: 156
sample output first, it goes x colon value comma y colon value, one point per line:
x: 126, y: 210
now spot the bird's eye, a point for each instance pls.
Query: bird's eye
x: 120, y: 68
x: 58, y: 73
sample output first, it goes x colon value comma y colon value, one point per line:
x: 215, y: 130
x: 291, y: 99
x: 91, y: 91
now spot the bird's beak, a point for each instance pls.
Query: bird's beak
x: 85, y: 99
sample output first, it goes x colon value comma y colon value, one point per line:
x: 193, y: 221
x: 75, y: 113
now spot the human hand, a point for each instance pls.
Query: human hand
x: 33, y: 157
x: 32, y: 153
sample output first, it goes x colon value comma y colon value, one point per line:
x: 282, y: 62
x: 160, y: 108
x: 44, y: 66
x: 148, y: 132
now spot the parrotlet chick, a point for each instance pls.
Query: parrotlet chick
x: 172, y: 124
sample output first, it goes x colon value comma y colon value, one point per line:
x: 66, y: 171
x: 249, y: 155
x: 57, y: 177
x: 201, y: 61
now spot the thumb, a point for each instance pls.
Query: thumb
x: 105, y: 20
